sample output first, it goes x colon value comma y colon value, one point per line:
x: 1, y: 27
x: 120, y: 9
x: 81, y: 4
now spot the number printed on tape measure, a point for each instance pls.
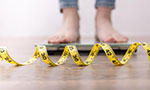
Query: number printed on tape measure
x: 41, y: 52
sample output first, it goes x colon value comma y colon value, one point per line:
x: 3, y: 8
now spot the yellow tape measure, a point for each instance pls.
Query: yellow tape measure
x: 41, y: 51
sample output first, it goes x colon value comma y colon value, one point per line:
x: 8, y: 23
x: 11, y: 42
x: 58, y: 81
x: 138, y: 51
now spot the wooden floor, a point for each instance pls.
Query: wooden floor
x: 100, y: 75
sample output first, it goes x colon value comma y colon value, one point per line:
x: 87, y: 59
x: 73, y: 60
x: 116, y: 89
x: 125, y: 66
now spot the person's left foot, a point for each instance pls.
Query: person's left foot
x: 104, y: 30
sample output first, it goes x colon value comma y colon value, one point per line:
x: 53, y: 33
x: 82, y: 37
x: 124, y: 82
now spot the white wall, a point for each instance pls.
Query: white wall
x: 42, y: 17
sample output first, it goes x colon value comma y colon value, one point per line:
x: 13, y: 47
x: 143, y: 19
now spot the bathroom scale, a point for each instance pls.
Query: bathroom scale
x: 85, y: 46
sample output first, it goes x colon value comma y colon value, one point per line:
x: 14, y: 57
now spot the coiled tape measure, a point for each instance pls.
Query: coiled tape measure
x: 41, y: 52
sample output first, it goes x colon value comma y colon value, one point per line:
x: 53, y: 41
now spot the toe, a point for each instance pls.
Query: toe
x: 50, y: 39
x: 121, y: 39
x: 109, y: 39
x: 53, y: 39
x: 62, y: 39
x: 59, y: 39
x: 67, y: 39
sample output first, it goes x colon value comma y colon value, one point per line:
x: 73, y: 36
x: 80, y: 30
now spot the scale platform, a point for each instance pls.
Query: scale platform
x: 84, y: 47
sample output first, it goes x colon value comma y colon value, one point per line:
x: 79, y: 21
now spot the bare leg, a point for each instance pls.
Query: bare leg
x: 70, y: 28
x: 104, y: 30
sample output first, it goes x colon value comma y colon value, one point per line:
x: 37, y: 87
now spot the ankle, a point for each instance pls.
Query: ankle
x: 70, y: 12
x: 103, y: 14
x: 104, y: 11
x: 70, y: 20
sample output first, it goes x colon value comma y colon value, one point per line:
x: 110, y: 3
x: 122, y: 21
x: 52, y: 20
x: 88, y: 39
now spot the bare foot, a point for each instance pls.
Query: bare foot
x: 70, y: 28
x: 104, y: 30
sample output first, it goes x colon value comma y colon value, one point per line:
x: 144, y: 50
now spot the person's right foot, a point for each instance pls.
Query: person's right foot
x: 70, y: 28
